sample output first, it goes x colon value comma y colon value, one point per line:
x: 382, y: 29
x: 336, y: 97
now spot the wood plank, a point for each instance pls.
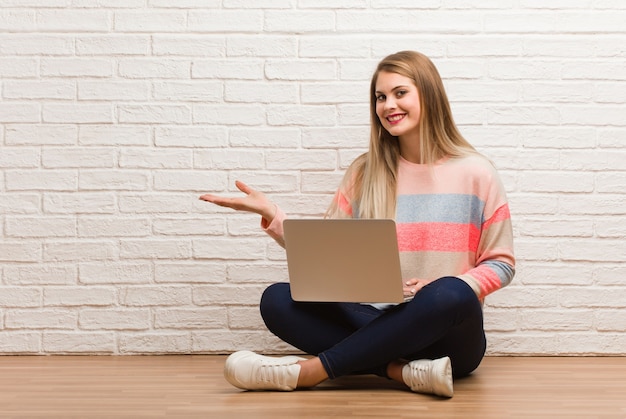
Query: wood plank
x: 193, y: 386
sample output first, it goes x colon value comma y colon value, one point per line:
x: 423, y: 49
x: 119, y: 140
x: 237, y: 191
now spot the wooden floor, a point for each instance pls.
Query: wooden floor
x: 194, y: 387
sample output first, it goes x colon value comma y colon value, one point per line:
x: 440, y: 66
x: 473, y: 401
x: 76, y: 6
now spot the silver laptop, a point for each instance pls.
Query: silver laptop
x: 345, y: 260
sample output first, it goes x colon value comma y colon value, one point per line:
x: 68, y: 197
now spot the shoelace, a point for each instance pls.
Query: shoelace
x: 271, y: 373
x: 420, y: 378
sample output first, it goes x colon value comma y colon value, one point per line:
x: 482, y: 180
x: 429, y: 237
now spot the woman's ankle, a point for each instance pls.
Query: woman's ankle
x: 312, y: 373
x: 394, y: 370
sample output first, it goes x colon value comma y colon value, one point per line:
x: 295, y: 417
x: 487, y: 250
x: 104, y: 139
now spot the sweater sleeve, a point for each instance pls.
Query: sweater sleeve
x: 495, y: 260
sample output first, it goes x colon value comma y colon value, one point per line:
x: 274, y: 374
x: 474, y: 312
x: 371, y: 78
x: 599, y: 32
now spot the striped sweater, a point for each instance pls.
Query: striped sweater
x: 452, y: 220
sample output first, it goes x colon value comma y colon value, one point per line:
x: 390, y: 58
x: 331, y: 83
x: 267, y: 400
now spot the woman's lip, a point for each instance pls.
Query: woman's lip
x: 395, y: 118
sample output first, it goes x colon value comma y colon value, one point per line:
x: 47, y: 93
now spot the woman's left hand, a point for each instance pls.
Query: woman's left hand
x: 413, y: 285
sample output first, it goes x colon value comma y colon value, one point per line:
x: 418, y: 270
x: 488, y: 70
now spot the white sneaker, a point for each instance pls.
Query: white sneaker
x: 250, y: 371
x: 426, y: 376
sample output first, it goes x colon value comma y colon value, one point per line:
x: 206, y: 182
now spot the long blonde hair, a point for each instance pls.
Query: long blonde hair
x: 370, y: 182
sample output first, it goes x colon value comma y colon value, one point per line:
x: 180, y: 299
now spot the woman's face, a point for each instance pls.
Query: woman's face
x: 397, y: 104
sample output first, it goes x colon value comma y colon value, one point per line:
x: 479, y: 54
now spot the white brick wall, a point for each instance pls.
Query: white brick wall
x: 115, y: 115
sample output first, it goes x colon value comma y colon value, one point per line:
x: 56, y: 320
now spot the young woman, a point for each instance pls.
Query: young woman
x: 455, y: 241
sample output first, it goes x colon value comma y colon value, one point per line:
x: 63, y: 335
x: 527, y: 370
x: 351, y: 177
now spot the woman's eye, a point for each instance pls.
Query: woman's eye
x: 401, y: 93
x: 380, y: 98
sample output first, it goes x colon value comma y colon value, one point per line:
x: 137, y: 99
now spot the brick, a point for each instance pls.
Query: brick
x: 307, y: 69
x: 191, y: 272
x: 40, y: 227
x: 39, y: 90
x: 612, y: 182
x: 330, y: 93
x: 17, y: 20
x: 299, y: 21
x: 75, y: 20
x: 155, y: 249
x: 260, y: 92
x: 79, y: 343
x: 76, y: 67
x: 18, y: 67
x: 227, y: 69
x: 570, y: 273
x: 19, y: 158
x: 302, y: 115
x: 610, y: 321
x: 17, y: 203
x: 345, y: 137
x: 409, y: 20
x: 191, y: 318
x: 191, y: 46
x: 20, y: 113
x: 162, y: 296
x: 547, y: 181
x: 154, y: 114
x: 114, y: 226
x: 226, y: 159
x: 107, y: 273
x: 137, y: 158
x: 20, y: 342
x: 191, y: 137
x: 189, y: 181
x: 154, y: 203
x: 112, y: 44
x: 254, y: 272
x: 106, y: 319
x: 303, y: 160
x: 107, y: 180
x: 36, y: 44
x: 110, y: 90
x: 66, y: 157
x: 228, y: 114
x: 41, y: 319
x: 220, y: 341
x: 79, y: 203
x: 195, y: 91
x: 226, y: 21
x: 266, y: 181
x: 79, y: 250
x: 79, y: 296
x: 189, y: 226
x: 148, y: 68
x: 150, y: 21
x: 20, y: 297
x: 267, y: 46
x: 569, y: 21
x: 41, y: 275
x: 556, y: 320
x: 228, y: 249
x: 245, y: 318
x: 83, y: 113
x: 114, y: 135
x: 155, y: 343
x: 276, y: 137
x: 593, y: 250
x: 51, y: 180
x: 224, y: 294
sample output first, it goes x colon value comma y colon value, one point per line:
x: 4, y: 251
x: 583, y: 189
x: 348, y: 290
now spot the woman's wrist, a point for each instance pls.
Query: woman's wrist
x: 270, y: 212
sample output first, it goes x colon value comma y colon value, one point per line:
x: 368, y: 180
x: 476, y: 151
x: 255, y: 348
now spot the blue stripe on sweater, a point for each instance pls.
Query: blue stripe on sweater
x: 442, y: 208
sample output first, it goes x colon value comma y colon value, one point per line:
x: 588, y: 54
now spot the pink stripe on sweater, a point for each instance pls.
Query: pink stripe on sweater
x: 442, y: 237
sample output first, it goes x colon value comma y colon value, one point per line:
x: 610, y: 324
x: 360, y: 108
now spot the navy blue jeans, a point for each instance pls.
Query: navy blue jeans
x: 444, y: 319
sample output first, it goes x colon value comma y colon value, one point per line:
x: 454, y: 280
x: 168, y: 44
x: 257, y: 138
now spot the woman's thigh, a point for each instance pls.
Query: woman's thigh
x: 309, y: 326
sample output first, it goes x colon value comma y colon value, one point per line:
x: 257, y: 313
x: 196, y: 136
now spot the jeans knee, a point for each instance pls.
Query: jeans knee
x: 456, y: 295
x: 272, y: 299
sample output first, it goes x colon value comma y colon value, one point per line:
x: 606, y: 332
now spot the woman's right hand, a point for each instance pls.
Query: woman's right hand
x: 254, y: 201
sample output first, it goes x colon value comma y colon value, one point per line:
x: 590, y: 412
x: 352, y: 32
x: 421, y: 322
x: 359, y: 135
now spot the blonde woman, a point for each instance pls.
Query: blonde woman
x: 455, y: 240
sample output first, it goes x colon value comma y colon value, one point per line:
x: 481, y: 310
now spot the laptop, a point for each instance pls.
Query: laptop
x: 343, y: 260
